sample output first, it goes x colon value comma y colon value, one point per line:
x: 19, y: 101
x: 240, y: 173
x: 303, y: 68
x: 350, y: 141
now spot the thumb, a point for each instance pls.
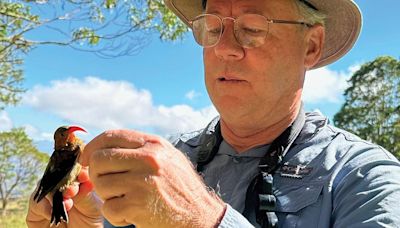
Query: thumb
x: 112, y: 139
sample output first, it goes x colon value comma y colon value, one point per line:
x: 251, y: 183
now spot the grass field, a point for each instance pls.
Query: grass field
x: 13, y: 220
x: 15, y: 217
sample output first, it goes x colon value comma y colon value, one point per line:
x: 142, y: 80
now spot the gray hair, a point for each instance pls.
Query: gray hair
x: 306, y: 10
x: 309, y: 13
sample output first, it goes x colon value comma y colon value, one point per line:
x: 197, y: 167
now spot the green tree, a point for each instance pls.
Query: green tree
x: 372, y: 106
x: 108, y: 28
x: 20, y: 165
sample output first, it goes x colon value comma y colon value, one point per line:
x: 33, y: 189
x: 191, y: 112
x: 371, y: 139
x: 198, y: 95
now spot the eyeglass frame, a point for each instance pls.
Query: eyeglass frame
x: 268, y: 20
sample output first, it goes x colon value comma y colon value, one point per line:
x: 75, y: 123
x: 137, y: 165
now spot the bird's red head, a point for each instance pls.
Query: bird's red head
x: 65, y: 136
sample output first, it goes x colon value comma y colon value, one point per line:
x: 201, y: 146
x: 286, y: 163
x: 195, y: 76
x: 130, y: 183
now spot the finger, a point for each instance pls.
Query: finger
x: 39, y: 211
x: 109, y: 161
x: 71, y: 190
x: 118, y: 184
x: 83, y: 175
x: 68, y: 203
x: 87, y: 202
x: 81, y: 188
x: 116, y: 209
x: 84, y: 190
x: 111, y: 139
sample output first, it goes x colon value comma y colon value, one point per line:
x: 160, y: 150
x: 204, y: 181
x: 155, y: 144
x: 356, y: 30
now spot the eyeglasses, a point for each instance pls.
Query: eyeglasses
x: 250, y: 30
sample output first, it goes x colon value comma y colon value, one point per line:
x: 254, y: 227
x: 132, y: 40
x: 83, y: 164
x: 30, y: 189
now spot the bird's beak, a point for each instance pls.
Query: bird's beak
x: 72, y: 129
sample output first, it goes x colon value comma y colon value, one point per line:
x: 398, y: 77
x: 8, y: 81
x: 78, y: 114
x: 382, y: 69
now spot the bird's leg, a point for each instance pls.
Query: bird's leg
x: 59, y: 212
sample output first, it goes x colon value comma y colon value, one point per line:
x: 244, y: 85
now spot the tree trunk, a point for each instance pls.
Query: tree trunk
x: 4, y: 207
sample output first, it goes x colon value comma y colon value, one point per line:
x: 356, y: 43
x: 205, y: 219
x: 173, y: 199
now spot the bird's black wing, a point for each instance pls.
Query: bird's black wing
x: 60, y: 164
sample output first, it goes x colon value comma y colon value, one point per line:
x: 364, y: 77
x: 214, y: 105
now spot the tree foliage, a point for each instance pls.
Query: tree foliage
x: 20, y: 162
x: 10, y: 50
x: 372, y: 106
x: 107, y: 28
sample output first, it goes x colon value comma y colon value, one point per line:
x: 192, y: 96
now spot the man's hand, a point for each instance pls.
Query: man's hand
x: 82, y: 205
x: 146, y: 181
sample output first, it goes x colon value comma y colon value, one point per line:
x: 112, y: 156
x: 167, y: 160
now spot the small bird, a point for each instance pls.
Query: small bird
x: 61, y: 171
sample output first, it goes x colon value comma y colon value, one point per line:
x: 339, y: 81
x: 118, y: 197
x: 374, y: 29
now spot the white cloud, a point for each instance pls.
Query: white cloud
x: 192, y: 94
x: 36, y: 134
x: 354, y: 68
x: 325, y: 85
x: 100, y: 104
x: 6, y: 124
x: 5, y: 121
x: 183, y: 118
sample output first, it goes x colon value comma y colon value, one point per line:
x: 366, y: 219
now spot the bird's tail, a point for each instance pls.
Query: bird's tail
x: 59, y: 212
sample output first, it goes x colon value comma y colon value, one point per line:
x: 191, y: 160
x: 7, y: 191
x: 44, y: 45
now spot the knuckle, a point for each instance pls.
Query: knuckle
x: 111, y: 133
x: 113, y: 210
x: 154, y: 160
x: 100, y: 156
x: 154, y: 140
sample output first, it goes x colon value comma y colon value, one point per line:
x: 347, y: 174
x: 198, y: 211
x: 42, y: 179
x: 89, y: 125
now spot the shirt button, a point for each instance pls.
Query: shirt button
x: 236, y: 160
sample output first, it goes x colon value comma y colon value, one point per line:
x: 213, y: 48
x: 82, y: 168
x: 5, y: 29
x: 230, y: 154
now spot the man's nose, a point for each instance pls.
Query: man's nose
x: 228, y: 48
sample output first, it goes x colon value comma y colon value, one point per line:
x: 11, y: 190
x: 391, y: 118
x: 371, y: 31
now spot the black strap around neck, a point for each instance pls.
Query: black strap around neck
x: 265, y: 200
x: 280, y: 146
x: 263, y: 183
x: 209, y: 146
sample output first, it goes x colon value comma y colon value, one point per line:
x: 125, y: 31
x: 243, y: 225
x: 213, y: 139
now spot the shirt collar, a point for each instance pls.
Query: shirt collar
x: 256, y: 152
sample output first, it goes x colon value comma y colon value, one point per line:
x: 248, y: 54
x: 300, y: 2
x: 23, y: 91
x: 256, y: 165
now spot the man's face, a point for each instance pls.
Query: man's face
x: 262, y: 83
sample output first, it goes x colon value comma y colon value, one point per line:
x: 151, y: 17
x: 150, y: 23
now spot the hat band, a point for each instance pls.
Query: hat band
x: 309, y: 4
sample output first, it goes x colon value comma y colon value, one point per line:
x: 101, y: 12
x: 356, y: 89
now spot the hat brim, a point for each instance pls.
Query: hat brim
x: 342, y: 25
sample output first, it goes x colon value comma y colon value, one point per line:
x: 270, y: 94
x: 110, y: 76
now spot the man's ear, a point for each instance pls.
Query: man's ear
x: 314, y: 39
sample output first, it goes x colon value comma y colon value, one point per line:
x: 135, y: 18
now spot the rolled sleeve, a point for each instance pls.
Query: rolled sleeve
x: 233, y: 218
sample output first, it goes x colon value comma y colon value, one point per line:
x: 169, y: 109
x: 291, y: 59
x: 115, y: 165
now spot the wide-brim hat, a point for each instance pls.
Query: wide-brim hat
x: 342, y: 24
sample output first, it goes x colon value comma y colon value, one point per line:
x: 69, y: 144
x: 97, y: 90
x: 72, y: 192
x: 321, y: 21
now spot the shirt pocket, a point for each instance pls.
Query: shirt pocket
x: 299, y: 205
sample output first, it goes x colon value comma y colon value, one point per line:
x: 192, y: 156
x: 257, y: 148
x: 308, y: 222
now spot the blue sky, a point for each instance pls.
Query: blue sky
x: 160, y: 90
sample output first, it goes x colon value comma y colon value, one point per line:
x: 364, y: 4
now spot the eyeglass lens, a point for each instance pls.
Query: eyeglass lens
x: 250, y: 30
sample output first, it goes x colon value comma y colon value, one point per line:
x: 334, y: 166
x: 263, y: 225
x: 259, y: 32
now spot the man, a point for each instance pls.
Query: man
x: 263, y: 162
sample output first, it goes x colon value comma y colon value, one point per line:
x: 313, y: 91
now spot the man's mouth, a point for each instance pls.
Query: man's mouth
x: 229, y: 79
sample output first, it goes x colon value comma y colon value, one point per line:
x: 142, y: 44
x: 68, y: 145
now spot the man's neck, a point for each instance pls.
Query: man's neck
x: 243, y: 139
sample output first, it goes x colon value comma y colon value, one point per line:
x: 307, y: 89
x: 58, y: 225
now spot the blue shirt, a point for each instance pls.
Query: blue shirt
x: 329, y: 178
